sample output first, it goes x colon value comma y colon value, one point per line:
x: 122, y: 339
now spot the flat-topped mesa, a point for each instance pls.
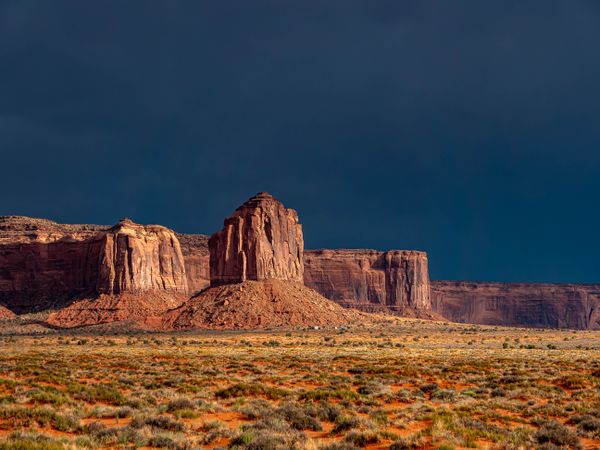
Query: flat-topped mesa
x: 44, y: 264
x: 519, y: 304
x: 262, y: 240
x: 22, y: 229
x: 136, y: 258
x: 370, y: 280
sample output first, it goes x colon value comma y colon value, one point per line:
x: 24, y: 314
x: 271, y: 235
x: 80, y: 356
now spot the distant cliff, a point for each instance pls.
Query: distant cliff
x: 97, y: 274
x: 518, y: 304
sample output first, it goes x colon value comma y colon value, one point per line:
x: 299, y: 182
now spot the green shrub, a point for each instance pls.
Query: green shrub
x: 179, y: 404
x: 340, y: 446
x: 252, y: 389
x: 298, y: 418
x: 556, y: 433
x: 345, y: 423
x: 405, y: 444
x: 429, y: 387
x: 362, y: 438
x: 162, y: 441
x: 160, y: 422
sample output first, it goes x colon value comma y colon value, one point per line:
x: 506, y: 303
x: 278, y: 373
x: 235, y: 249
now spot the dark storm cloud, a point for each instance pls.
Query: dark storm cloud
x: 468, y: 129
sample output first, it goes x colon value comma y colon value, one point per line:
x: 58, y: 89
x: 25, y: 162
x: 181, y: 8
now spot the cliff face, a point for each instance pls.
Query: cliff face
x: 370, y: 280
x: 519, y: 304
x: 197, y: 261
x: 262, y: 240
x: 137, y: 258
x: 44, y: 264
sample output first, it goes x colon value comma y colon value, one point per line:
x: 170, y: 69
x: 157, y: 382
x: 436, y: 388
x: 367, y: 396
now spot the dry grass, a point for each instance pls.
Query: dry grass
x: 415, y: 384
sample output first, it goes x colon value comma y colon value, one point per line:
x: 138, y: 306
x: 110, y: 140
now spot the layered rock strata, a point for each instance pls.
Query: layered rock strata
x: 262, y: 240
x: 138, y: 258
x: 196, y: 257
x: 45, y: 265
x: 519, y: 304
x: 370, y: 280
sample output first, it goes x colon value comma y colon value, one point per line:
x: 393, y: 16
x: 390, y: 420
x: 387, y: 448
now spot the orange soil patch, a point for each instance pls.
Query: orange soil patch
x: 590, y: 444
x: 232, y: 419
x: 324, y: 436
x: 108, y: 421
x: 410, y: 428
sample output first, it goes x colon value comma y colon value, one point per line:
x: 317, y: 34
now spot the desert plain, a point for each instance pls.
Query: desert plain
x: 402, y: 384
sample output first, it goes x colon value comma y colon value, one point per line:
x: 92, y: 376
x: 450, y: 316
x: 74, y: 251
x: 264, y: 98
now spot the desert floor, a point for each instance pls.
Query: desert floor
x: 413, y: 384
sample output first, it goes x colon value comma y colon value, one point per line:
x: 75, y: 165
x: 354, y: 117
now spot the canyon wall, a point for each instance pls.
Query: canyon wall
x: 518, y: 304
x: 370, y: 280
x: 262, y: 240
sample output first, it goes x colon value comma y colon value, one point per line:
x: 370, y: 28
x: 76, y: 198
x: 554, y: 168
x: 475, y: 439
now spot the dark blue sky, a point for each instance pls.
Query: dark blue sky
x: 469, y: 129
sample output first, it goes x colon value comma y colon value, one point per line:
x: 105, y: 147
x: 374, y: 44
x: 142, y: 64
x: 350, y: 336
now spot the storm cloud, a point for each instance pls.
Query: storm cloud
x: 469, y: 129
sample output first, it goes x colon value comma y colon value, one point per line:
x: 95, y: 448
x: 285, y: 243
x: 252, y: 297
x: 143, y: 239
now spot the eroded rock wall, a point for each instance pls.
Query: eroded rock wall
x: 137, y: 258
x: 262, y: 240
x: 519, y: 304
x: 370, y: 280
x: 197, y: 261
x: 44, y: 264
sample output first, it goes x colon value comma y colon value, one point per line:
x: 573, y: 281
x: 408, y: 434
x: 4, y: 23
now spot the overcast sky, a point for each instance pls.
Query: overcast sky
x: 468, y: 129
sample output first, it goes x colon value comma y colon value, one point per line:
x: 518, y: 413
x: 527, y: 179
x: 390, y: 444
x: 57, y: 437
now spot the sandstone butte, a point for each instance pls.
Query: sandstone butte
x: 262, y: 240
x: 90, y: 274
x: 256, y: 276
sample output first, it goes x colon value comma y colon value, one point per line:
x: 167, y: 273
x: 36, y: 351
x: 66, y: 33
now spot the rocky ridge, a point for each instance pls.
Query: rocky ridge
x: 95, y: 274
x: 48, y: 266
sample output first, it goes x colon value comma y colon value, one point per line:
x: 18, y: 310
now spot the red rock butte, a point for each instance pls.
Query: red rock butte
x: 262, y: 240
x: 256, y: 276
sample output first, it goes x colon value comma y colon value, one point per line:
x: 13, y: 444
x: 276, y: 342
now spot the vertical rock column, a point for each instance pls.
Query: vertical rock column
x: 261, y: 240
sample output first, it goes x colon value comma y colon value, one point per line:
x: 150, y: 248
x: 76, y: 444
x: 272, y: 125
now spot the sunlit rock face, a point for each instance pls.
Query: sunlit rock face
x: 137, y: 258
x: 44, y: 264
x: 262, y: 240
